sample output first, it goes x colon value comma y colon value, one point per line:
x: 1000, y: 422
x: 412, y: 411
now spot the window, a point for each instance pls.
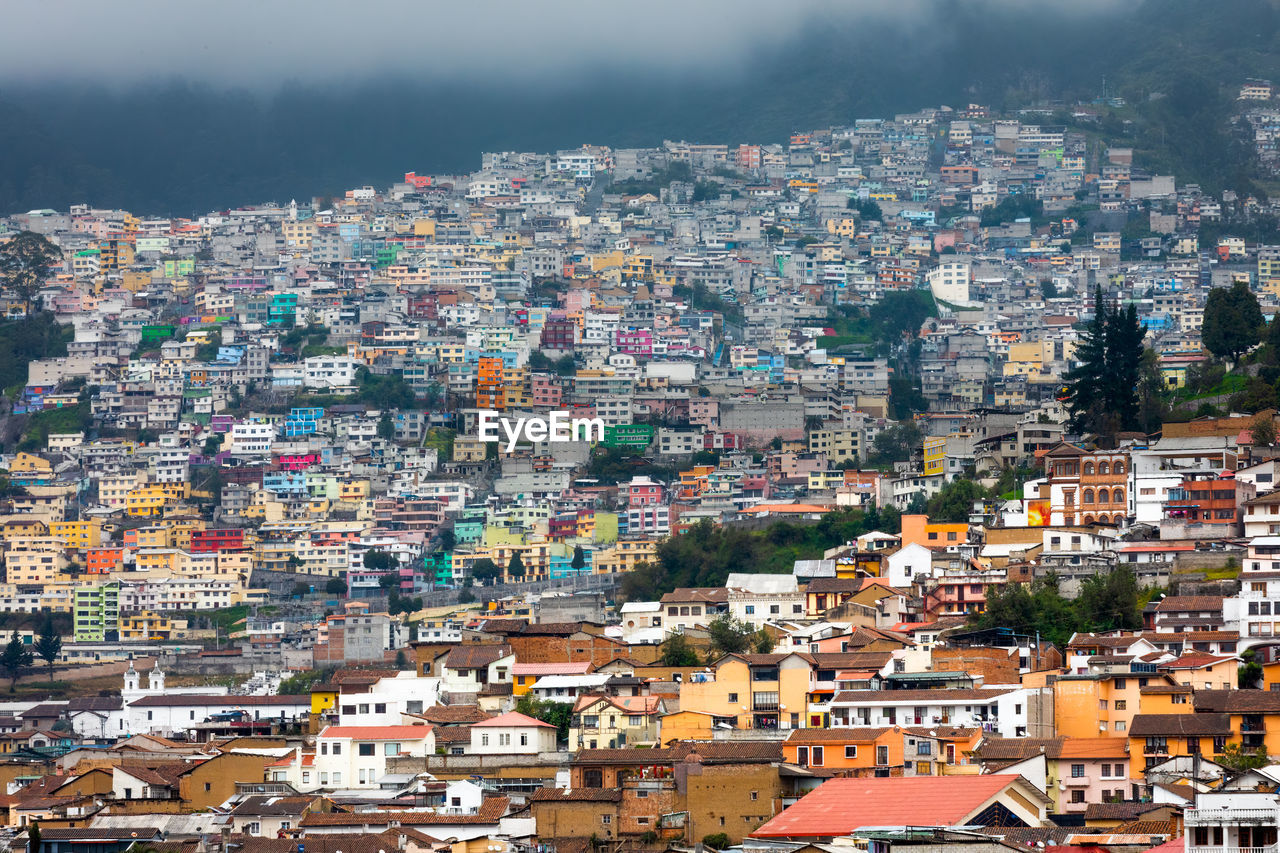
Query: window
x: 1119, y: 725
x: 504, y: 739
x: 484, y: 740
x: 606, y: 819
x: 817, y: 756
x: 1077, y: 796
x: 391, y: 748
x: 925, y: 747
x: 733, y: 697
x: 413, y: 706
x: 1122, y: 705
x: 1219, y: 744
x: 380, y: 708
x: 1106, y: 771
x: 1077, y: 771
x: 851, y: 751
x: 751, y: 609
x: 802, y: 756
x: 324, y: 748
x: 755, y: 795
x: 337, y: 749
x: 882, y: 755
x: 1121, y: 683
x: 1102, y: 704
x: 364, y: 708
x: 1157, y: 746
x: 774, y: 609
x: 366, y: 749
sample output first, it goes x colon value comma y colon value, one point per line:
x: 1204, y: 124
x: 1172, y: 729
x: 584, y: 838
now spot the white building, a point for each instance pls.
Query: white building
x: 167, y: 715
x: 329, y: 371
x: 759, y: 598
x: 1005, y: 711
x: 512, y: 734
x: 356, y: 756
x: 250, y: 438
x: 388, y: 699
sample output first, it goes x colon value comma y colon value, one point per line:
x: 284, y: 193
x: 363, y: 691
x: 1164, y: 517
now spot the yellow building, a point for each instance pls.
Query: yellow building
x: 752, y: 691
x: 78, y: 536
x: 935, y: 456
x: 624, y: 555
x: 151, y: 499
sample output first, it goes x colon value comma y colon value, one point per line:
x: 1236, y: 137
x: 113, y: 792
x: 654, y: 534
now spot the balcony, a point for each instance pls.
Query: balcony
x: 1075, y: 782
x: 1230, y: 816
x: 1193, y: 848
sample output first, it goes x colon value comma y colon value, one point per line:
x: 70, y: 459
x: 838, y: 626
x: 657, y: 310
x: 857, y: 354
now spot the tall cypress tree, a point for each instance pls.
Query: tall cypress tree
x: 1124, y: 366
x: 1102, y: 389
x: 1086, y: 381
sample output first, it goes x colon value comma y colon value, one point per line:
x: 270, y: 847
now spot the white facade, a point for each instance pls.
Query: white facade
x: 907, y: 563
x: 388, y: 699
x: 356, y: 756
x: 329, y: 371
x: 512, y: 734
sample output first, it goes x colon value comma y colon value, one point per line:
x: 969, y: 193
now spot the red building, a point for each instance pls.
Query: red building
x: 223, y: 539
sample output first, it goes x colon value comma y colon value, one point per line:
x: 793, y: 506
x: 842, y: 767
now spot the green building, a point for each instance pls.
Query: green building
x: 628, y: 435
x: 97, y: 613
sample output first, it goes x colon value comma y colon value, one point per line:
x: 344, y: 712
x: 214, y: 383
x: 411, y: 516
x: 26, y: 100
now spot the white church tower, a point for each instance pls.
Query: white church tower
x: 155, y: 682
x: 131, y: 679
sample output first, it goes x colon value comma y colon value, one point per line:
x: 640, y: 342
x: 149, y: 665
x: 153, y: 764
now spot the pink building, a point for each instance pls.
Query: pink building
x: 636, y: 342
x: 1091, y: 770
x: 545, y: 391
x: 642, y: 491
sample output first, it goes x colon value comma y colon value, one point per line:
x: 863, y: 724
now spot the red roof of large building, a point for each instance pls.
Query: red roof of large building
x: 842, y: 806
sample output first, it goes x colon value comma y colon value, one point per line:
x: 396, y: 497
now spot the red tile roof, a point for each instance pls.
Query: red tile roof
x: 841, y: 806
x: 377, y: 732
x: 512, y: 718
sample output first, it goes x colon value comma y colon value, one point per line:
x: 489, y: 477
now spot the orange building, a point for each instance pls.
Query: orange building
x: 489, y: 384
x: 918, y: 529
x: 102, y: 560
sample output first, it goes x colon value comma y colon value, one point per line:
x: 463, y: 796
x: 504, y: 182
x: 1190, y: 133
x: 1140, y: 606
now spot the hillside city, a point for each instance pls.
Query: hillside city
x: 917, y: 487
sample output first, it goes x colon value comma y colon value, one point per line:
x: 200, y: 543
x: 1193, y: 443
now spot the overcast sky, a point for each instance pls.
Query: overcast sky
x: 261, y: 43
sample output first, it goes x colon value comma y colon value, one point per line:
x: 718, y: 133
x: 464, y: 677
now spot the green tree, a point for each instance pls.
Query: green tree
x: 386, y: 427
x: 1249, y: 673
x: 558, y: 714
x: 1109, y: 602
x: 1235, y: 757
x: 25, y: 259
x: 955, y: 502
x: 716, y: 840
x: 1263, y: 429
x: 49, y: 645
x: 1232, y: 321
x: 1124, y: 365
x: 1102, y: 389
x: 579, y: 561
x: 515, y: 567
x: 729, y: 636
x: 15, y: 660
x: 896, y: 443
x: 485, y: 571
x: 336, y: 586
x: 379, y: 561
x: 677, y: 651
x: 1085, y: 382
